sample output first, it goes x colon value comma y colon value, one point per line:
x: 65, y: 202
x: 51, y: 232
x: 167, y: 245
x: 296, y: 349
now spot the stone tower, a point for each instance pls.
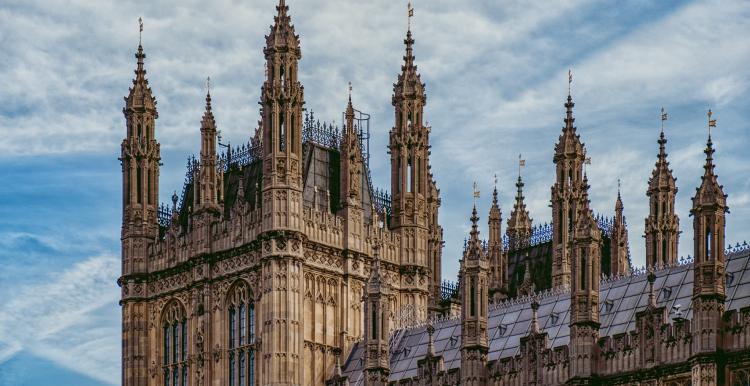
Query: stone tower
x: 519, y: 222
x: 474, y: 304
x: 569, y: 158
x: 140, y: 156
x: 709, y: 209
x: 281, y: 257
x: 584, y: 293
x: 498, y: 264
x: 377, y: 327
x: 620, y: 251
x: 409, y: 149
x: 662, y: 224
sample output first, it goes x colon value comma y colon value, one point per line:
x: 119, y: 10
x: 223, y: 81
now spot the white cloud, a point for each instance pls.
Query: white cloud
x: 61, y: 320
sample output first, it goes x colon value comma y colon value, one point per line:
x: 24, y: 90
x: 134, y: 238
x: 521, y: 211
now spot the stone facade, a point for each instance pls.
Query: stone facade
x: 280, y: 263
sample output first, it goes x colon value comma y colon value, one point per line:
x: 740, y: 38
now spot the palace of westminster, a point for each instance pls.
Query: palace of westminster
x: 280, y: 264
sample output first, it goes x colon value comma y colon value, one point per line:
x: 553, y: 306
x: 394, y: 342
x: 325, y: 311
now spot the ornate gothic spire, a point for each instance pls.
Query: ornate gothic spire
x: 282, y: 31
x: 661, y: 177
x: 710, y: 192
x: 208, y: 121
x: 140, y: 97
x: 519, y: 222
x: 409, y: 84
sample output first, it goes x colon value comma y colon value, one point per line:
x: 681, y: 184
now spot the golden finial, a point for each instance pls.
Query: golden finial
x: 711, y: 122
x: 140, y: 33
x: 663, y: 118
x: 410, y: 15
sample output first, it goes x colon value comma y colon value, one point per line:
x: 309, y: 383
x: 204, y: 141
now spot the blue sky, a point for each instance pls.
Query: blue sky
x: 496, y: 75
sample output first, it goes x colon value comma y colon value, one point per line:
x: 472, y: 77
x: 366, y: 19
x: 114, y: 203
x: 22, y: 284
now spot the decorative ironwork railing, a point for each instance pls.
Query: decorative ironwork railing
x: 382, y: 200
x: 322, y: 133
x: 164, y: 215
x: 240, y: 156
x: 448, y: 289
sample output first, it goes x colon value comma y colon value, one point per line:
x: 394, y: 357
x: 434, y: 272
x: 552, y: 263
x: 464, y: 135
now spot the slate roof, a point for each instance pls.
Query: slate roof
x: 620, y: 299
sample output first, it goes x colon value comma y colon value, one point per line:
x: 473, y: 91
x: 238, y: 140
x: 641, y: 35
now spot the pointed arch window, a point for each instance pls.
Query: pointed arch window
x: 570, y: 224
x: 708, y: 243
x: 139, y: 183
x: 282, y: 132
x: 583, y: 268
x: 292, y: 138
x: 241, y: 345
x: 664, y: 251
x: 409, y: 176
x: 472, y: 297
x: 174, y: 346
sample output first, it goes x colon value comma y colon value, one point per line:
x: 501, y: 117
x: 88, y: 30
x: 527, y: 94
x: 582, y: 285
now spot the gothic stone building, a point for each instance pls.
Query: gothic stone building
x: 280, y: 264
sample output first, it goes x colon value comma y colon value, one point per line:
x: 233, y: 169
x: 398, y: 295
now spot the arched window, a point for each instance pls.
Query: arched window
x: 472, y: 296
x: 241, y: 346
x: 292, y: 139
x: 139, y: 184
x: 282, y: 132
x: 281, y: 73
x: 175, y: 345
x: 583, y: 268
x: 409, y: 174
x: 708, y: 243
x: 570, y: 223
x: 417, y: 174
x: 148, y: 189
x: 374, y: 318
x: 560, y: 225
x: 664, y: 251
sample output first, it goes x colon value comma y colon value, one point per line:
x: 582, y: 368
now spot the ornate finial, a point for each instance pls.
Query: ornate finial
x: 521, y: 163
x: 174, y: 201
x: 663, y: 118
x: 410, y: 14
x: 651, y: 295
x: 140, y: 33
x: 208, y: 85
x: 618, y: 187
x: 350, y: 92
x: 431, y: 341
x: 476, y: 194
x: 570, y: 80
x: 534, y: 319
x: 586, y: 161
x: 711, y: 123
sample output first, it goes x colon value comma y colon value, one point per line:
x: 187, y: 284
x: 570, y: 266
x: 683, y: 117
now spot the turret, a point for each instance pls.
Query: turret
x: 498, y: 264
x: 708, y: 211
x: 620, y: 250
x: 140, y: 158
x: 662, y: 226
x: 569, y: 158
x: 519, y: 222
x: 209, y: 187
x: 409, y: 147
x: 352, y: 171
x: 377, y: 326
x: 474, y: 304
x: 584, y: 291
x: 282, y: 267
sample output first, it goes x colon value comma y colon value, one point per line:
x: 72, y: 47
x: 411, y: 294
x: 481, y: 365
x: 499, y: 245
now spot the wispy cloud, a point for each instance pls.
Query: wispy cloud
x: 496, y: 75
x: 60, y: 319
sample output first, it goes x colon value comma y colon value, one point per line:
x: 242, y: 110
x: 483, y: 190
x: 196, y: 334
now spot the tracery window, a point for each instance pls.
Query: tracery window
x: 740, y: 377
x: 175, y: 346
x: 241, y: 317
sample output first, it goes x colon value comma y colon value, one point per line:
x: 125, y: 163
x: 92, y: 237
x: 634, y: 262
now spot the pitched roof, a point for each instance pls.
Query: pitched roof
x: 620, y: 299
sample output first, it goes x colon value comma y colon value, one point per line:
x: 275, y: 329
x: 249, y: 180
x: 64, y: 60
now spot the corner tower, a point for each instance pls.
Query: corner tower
x: 409, y: 149
x: 139, y: 157
x: 662, y: 224
x: 569, y: 158
x: 281, y: 253
x: 709, y: 293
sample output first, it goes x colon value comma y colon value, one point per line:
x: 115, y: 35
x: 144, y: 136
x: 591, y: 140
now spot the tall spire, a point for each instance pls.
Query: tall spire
x: 662, y: 224
x: 519, y: 222
x: 208, y: 115
x: 709, y: 192
x: 140, y: 96
x: 620, y: 253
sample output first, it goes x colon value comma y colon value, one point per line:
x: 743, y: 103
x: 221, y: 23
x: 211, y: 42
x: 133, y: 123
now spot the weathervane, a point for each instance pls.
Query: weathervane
x: 140, y: 33
x: 618, y: 187
x: 411, y: 14
x: 663, y: 118
x: 208, y: 85
x: 521, y: 163
x: 711, y: 122
x: 350, y: 91
x: 586, y: 161
x: 476, y: 193
x: 570, y: 79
